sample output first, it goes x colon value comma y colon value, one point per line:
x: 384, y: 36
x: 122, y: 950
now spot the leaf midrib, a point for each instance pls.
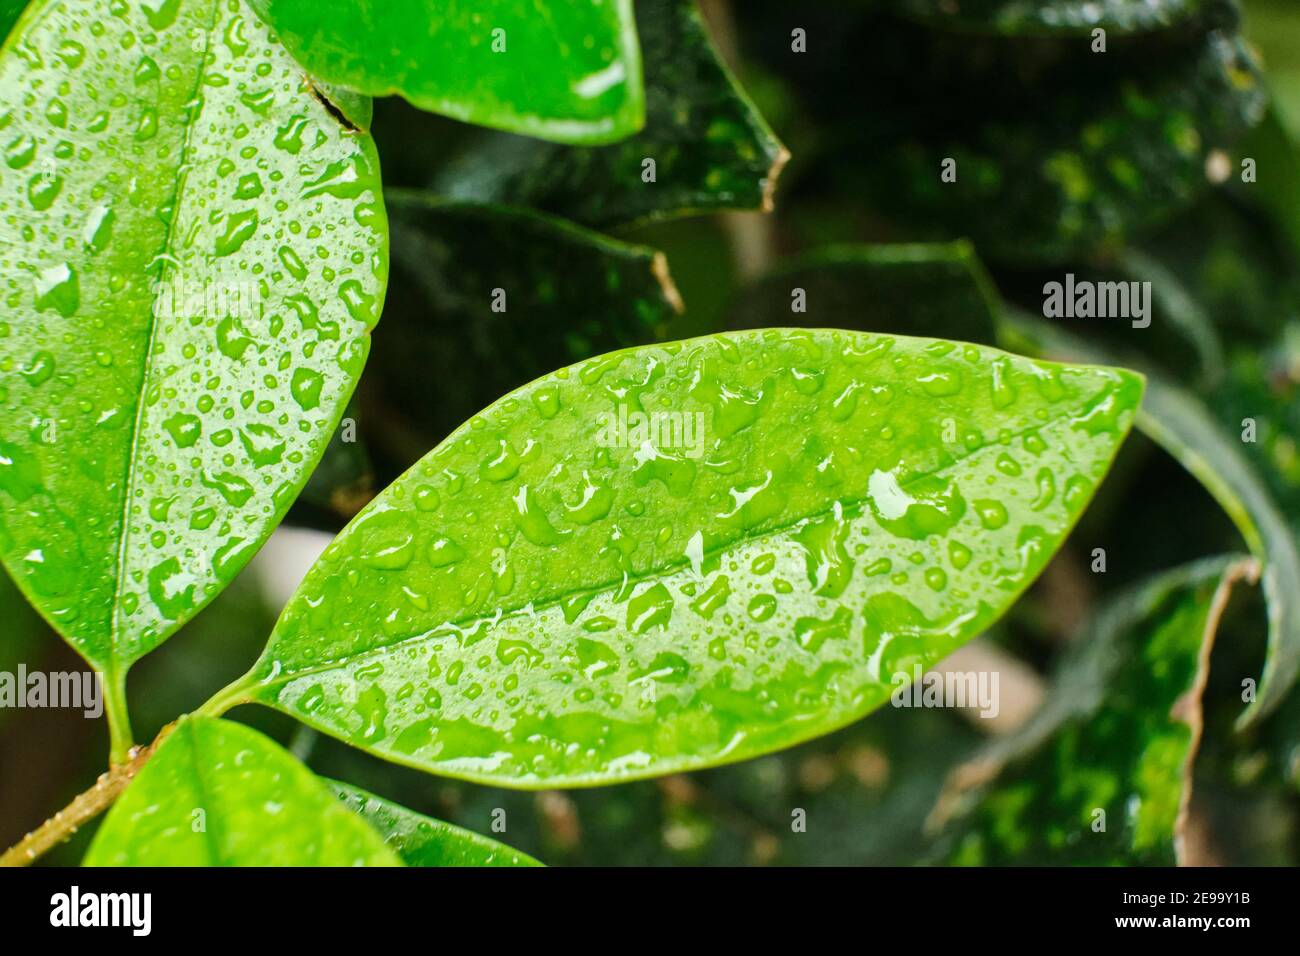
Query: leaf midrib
x: 669, y: 567
x: 132, y: 471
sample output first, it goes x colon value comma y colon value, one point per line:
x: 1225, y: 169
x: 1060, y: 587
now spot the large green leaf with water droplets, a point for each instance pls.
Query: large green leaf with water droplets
x: 550, y: 599
x: 567, y: 70
x: 193, y: 257
x: 218, y: 793
x: 423, y: 841
x: 1117, y: 737
x: 711, y: 148
x: 1052, y: 17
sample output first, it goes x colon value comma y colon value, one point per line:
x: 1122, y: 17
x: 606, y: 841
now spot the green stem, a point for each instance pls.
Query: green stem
x: 229, y: 696
x: 119, y: 721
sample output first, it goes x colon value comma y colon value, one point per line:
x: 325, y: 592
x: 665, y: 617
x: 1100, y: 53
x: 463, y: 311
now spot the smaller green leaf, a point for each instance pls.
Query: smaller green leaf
x: 546, y: 600
x: 218, y: 793
x: 711, y: 148
x: 568, y: 70
x: 938, y: 290
x: 1117, y: 735
x: 423, y: 841
x: 1052, y: 17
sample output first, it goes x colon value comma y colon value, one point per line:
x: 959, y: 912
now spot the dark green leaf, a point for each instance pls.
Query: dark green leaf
x: 1181, y: 424
x: 423, y: 841
x: 711, y: 148
x: 1102, y: 775
x: 548, y: 600
x: 192, y: 280
x: 1124, y: 144
x: 10, y: 11
x: 933, y: 290
x: 220, y: 794
x: 565, y: 294
x: 568, y: 71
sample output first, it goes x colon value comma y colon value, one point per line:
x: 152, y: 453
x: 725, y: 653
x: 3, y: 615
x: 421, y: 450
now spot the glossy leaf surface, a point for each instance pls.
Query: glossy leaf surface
x: 711, y: 148
x: 568, y: 70
x: 423, y: 841
x: 1051, y: 17
x: 192, y: 270
x: 928, y: 289
x: 547, y: 599
x: 1117, y: 736
x: 218, y: 793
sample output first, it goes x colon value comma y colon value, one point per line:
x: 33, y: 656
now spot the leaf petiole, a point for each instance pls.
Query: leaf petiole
x: 121, y: 740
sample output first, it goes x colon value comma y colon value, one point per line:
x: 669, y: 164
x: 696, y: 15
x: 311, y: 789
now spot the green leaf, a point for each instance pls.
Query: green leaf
x: 1185, y: 428
x: 192, y: 278
x: 1053, y: 17
x: 217, y: 793
x: 568, y: 71
x: 1118, y: 734
x: 711, y: 148
x: 926, y: 289
x: 566, y: 294
x: 549, y: 600
x: 423, y: 841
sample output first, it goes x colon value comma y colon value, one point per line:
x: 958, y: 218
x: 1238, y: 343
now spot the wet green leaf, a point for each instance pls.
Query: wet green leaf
x: 488, y: 298
x: 423, y: 841
x: 568, y: 71
x: 217, y: 793
x: 928, y: 289
x: 1053, y: 17
x: 192, y: 278
x: 1102, y: 775
x: 550, y: 598
x: 711, y: 149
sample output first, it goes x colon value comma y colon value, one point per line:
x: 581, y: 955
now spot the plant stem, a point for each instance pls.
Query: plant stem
x: 229, y: 696
x: 121, y: 741
x: 83, y: 808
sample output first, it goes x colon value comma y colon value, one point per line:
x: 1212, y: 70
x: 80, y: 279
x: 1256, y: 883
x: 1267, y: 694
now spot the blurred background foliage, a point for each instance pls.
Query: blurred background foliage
x: 1123, y: 165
